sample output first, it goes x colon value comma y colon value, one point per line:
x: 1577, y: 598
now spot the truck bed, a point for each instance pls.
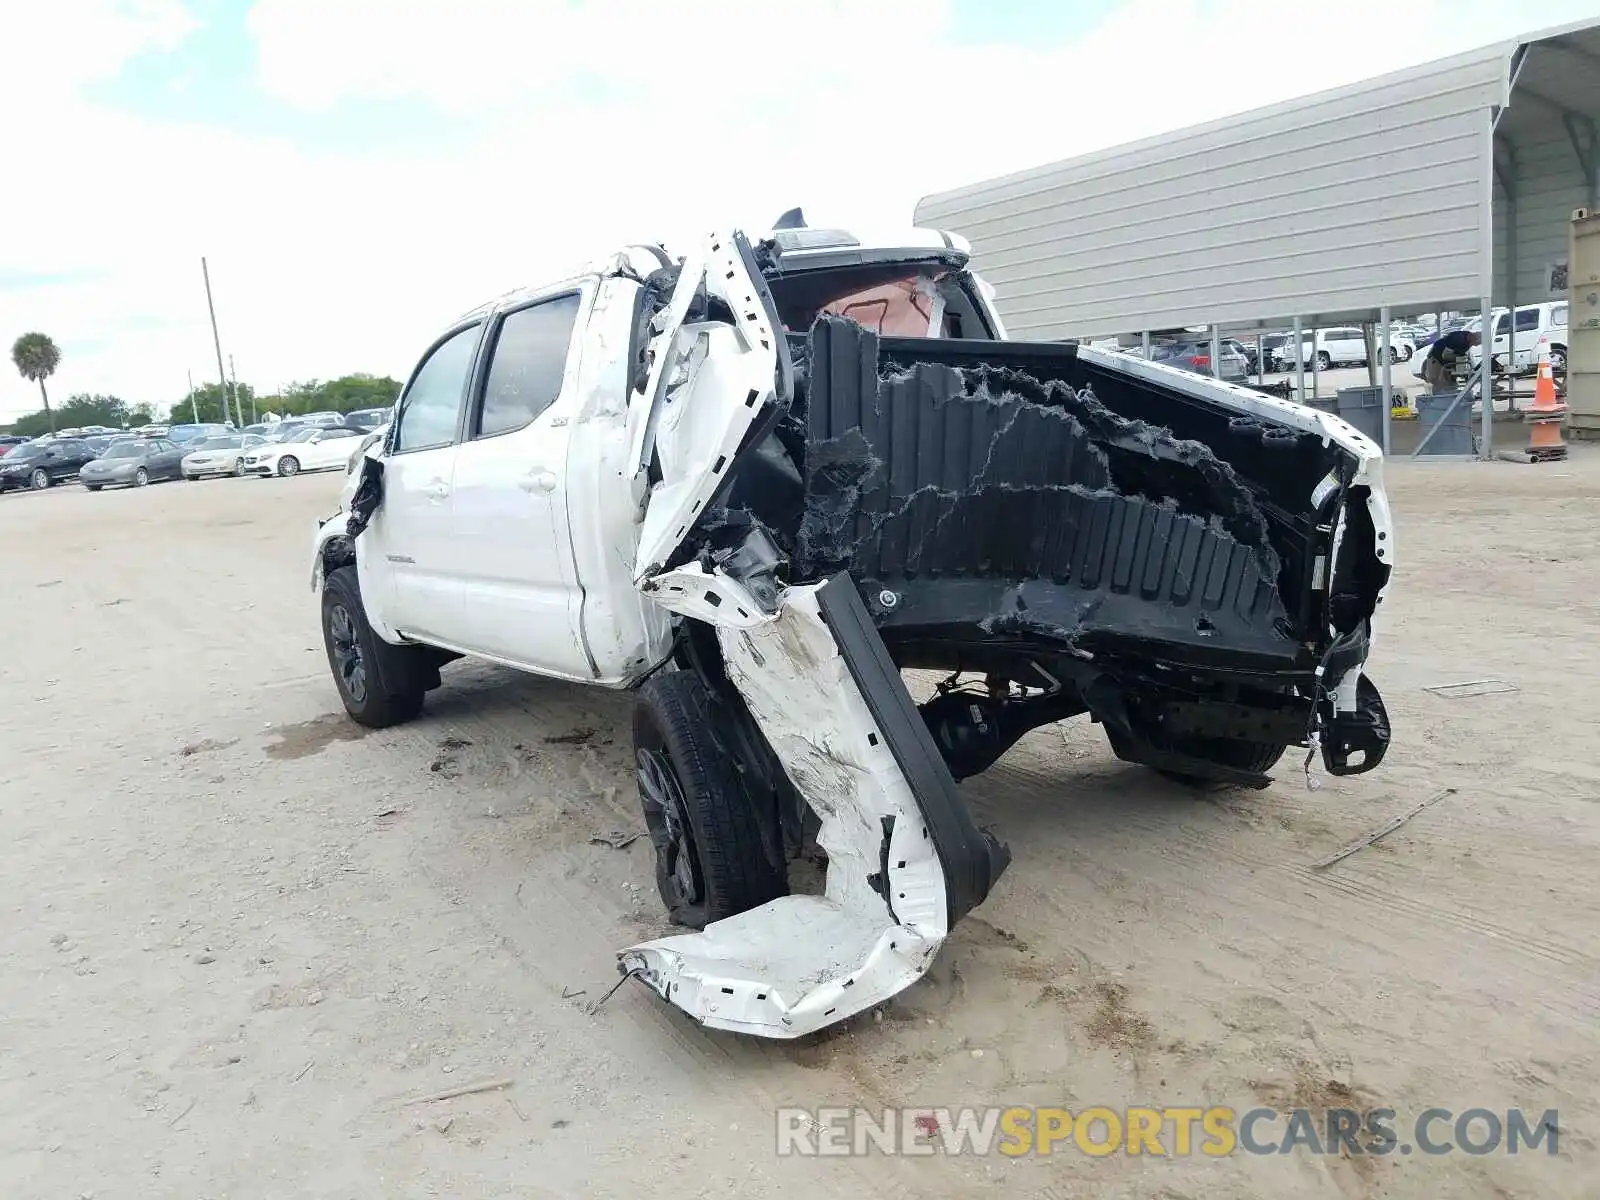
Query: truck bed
x: 1025, y: 493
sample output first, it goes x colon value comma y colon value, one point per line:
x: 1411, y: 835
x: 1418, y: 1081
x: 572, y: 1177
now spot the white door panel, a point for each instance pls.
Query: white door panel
x: 513, y: 547
x: 418, y: 543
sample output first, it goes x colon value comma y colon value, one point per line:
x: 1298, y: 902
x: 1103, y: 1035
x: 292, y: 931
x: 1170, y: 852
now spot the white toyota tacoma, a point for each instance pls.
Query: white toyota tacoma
x: 757, y: 482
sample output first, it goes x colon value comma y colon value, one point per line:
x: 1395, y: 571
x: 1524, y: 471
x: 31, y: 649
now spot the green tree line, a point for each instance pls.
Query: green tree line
x: 213, y: 402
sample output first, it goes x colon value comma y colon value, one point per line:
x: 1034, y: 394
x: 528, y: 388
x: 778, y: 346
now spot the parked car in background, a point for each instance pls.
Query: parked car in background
x: 368, y: 419
x: 310, y: 449
x: 1539, y: 327
x: 191, y: 432
x: 214, y: 456
x: 1195, y: 355
x: 40, y: 464
x: 284, y: 430
x: 133, y: 464
x: 9, y: 442
x: 1340, y: 346
x: 370, y: 439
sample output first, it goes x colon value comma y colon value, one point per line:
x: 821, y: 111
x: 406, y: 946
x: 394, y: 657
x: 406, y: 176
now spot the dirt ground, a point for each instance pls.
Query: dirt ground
x: 239, y: 934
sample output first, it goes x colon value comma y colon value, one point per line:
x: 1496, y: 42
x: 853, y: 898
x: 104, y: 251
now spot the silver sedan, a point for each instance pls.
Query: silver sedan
x: 218, y: 455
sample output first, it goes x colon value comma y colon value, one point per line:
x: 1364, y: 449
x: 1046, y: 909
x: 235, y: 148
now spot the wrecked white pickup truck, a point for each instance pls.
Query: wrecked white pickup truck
x: 756, y: 483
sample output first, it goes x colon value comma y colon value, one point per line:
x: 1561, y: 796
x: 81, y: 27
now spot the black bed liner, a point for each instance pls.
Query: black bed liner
x: 996, y: 502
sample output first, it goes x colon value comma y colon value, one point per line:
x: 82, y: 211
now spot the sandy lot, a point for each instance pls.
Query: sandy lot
x: 238, y: 934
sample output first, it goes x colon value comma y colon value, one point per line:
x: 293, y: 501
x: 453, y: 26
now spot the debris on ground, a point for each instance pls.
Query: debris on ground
x: 1471, y: 687
x: 468, y: 1089
x: 578, y: 737
x: 1382, y: 831
x: 616, y: 839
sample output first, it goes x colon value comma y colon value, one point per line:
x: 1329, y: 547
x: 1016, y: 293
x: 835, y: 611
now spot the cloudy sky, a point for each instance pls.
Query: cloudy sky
x: 359, y: 171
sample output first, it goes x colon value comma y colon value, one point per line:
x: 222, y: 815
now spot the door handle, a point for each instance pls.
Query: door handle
x: 538, y: 480
x: 437, y: 490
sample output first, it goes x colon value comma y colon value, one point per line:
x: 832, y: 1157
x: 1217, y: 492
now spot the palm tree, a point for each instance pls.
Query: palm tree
x: 37, y: 357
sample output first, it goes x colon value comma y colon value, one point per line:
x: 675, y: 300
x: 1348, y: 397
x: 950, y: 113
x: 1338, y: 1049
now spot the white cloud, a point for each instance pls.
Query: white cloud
x: 625, y: 120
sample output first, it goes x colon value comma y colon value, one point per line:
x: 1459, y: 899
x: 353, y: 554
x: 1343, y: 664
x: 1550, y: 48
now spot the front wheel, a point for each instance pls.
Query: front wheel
x: 1406, y: 353
x: 40, y: 479
x: 238, y: 469
x: 711, y: 858
x: 141, y: 477
x: 94, y: 487
x: 288, y: 465
x: 381, y: 685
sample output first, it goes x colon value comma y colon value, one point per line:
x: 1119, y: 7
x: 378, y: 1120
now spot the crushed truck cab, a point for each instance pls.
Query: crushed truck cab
x: 755, y: 483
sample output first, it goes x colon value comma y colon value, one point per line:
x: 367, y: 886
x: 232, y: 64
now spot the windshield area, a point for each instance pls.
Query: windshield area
x: 25, y: 452
x: 217, y: 443
x: 894, y: 299
x: 125, y: 450
x: 302, y: 435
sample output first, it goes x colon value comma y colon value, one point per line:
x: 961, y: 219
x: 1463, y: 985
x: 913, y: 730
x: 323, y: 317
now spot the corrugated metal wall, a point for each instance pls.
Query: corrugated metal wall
x: 1323, y: 207
x: 1549, y: 184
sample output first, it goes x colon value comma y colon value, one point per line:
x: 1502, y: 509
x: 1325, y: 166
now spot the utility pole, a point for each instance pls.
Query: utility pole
x: 238, y: 403
x: 216, y: 341
x: 194, y: 409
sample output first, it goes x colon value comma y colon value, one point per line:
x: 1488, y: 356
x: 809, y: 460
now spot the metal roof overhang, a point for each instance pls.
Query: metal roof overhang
x: 1552, y: 81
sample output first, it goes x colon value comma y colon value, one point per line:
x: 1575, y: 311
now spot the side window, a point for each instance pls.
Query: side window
x: 530, y: 358
x: 1503, y: 325
x: 432, y: 403
x: 1558, y: 315
x: 1527, y: 319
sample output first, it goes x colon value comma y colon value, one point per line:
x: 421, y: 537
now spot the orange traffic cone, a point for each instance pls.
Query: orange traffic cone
x: 1545, y: 417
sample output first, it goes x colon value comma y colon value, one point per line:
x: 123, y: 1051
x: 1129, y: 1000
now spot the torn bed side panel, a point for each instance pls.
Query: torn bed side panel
x: 800, y: 963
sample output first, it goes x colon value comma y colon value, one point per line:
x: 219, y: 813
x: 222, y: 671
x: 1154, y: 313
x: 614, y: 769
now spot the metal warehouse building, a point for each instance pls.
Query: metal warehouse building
x: 1445, y: 186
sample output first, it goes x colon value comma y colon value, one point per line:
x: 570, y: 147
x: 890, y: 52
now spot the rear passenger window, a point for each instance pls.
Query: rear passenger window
x: 1527, y: 319
x: 432, y: 404
x: 529, y: 361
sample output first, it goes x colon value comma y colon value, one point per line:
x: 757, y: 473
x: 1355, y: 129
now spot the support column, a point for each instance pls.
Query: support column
x: 1388, y: 371
x: 1299, y: 362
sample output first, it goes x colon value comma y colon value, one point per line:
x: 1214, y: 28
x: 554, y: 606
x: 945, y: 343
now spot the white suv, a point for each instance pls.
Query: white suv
x: 1344, y: 346
x: 755, y: 483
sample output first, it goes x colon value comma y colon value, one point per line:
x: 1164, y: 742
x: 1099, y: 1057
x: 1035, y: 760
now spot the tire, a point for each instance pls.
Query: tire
x: 1324, y: 360
x: 1255, y: 757
x: 141, y: 477
x: 381, y: 685
x: 711, y: 861
x: 94, y: 487
x: 1407, y: 353
x: 40, y: 480
x: 238, y: 468
x: 1558, y: 358
x: 288, y: 466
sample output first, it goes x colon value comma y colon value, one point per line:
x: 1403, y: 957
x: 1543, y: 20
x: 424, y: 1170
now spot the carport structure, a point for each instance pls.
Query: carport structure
x: 1449, y: 185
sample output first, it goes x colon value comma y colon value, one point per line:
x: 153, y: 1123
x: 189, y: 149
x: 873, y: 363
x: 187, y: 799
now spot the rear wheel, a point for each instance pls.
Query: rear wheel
x: 1324, y: 360
x: 1256, y: 758
x: 711, y: 860
x: 380, y: 684
x: 94, y: 487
